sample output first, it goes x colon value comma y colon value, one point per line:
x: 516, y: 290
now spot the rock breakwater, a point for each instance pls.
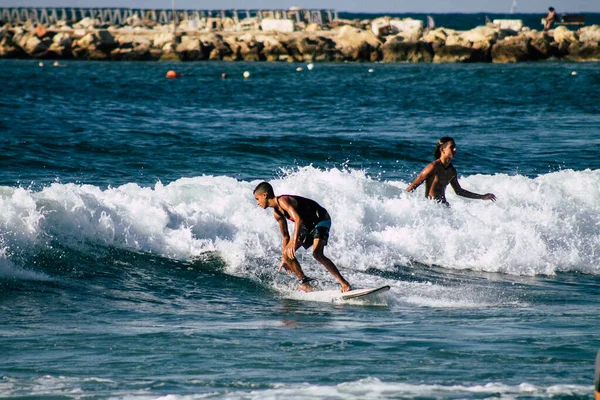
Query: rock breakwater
x: 337, y: 41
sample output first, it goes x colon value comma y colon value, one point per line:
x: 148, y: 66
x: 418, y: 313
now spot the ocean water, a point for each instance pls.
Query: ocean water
x: 135, y: 264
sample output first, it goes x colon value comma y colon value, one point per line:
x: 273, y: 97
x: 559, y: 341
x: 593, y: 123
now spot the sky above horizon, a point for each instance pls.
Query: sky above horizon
x: 373, y: 6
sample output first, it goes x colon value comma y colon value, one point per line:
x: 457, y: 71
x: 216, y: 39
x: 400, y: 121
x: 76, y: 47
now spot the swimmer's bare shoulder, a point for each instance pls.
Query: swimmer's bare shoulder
x: 429, y: 170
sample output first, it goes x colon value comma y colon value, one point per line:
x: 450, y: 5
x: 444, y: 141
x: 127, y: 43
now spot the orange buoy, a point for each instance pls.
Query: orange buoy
x: 172, y: 74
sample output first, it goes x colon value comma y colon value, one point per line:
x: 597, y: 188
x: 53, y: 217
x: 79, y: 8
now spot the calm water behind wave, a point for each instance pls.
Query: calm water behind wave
x: 112, y: 123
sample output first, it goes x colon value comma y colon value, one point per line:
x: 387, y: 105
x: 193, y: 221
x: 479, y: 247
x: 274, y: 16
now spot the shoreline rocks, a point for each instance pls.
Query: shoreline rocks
x: 355, y: 41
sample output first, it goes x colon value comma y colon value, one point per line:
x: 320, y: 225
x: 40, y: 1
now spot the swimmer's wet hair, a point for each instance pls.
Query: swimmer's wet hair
x: 265, y: 187
x: 440, y: 143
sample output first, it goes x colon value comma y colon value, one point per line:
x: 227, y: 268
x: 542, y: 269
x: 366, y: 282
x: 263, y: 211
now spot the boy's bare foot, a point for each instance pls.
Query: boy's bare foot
x: 305, y: 287
x: 346, y: 287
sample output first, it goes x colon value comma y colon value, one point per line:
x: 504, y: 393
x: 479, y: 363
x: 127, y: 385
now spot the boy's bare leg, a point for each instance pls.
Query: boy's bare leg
x: 294, y: 266
x: 318, y: 248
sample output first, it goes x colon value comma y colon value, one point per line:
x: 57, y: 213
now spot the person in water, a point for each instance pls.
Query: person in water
x: 441, y: 172
x: 311, y: 228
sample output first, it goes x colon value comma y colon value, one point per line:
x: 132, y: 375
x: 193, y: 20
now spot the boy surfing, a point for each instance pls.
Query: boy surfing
x: 311, y: 228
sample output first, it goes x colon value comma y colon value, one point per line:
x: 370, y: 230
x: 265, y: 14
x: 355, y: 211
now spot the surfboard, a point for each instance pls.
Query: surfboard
x: 337, y: 296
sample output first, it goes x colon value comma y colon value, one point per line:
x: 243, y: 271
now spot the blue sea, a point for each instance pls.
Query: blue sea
x: 135, y: 264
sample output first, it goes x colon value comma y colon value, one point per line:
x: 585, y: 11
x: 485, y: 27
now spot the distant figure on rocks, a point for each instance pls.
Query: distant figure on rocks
x: 441, y: 172
x: 550, y: 18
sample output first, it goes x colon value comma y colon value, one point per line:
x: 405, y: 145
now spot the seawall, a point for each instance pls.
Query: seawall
x: 339, y: 40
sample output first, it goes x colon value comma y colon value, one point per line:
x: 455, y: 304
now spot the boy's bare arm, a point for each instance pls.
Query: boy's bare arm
x: 287, y: 206
x: 421, y: 178
x: 283, y: 228
x: 469, y: 195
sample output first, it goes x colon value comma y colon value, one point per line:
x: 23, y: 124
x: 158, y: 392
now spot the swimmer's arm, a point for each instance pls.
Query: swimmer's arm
x: 421, y: 178
x: 469, y: 195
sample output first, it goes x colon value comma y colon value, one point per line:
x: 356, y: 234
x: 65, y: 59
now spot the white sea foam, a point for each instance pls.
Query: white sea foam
x: 369, y: 388
x: 373, y: 388
x: 538, y: 226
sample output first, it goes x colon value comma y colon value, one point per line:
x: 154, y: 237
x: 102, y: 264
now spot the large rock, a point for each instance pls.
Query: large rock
x: 436, y: 37
x: 273, y: 49
x: 461, y: 54
x: 409, y: 29
x: 513, y: 49
x: 95, y: 46
x: 542, y: 46
x: 381, y: 26
x: 215, y: 46
x: 313, y: 48
x: 356, y: 44
x: 35, y: 47
x: 61, y: 46
x: 586, y: 51
x: 132, y: 41
x: 481, y: 34
x: 101, y: 40
x: 514, y: 25
x: 162, y: 38
x: 396, y: 50
x: 589, y: 34
x: 190, y: 49
x: 251, y: 50
x: 8, y: 49
x: 138, y: 53
x: 87, y: 23
x: 562, y: 34
x: 457, y: 40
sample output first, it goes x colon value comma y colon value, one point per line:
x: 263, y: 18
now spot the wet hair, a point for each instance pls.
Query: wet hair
x: 550, y: 8
x: 440, y: 143
x: 265, y: 187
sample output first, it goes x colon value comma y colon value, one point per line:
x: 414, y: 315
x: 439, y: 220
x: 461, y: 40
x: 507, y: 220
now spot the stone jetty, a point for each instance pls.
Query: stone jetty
x: 383, y: 39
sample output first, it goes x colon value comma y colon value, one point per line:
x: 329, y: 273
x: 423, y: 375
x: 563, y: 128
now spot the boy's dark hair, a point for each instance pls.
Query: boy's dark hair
x: 265, y: 187
x: 438, y: 153
x: 550, y: 8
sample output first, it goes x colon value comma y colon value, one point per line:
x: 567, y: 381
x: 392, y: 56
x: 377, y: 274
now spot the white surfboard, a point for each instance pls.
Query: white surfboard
x: 337, y: 296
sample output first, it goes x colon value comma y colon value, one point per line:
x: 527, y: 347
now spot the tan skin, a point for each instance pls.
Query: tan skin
x: 289, y: 263
x: 441, y: 173
x: 550, y: 20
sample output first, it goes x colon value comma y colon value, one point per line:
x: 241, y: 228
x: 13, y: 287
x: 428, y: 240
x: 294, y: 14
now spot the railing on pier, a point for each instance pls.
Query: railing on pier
x: 118, y: 16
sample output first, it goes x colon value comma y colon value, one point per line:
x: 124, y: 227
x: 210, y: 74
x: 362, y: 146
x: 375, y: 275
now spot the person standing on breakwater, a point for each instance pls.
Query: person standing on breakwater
x: 550, y: 19
x: 311, y: 228
x: 441, y: 172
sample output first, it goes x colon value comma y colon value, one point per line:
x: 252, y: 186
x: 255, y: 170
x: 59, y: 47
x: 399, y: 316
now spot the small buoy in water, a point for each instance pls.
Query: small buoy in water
x: 56, y: 64
x: 310, y: 66
x: 224, y: 75
x: 41, y: 64
x: 299, y: 69
x: 371, y: 70
x: 574, y: 73
x: 172, y: 74
x: 246, y: 74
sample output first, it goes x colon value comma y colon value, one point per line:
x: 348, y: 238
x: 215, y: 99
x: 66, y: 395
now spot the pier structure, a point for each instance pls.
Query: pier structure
x: 119, y: 16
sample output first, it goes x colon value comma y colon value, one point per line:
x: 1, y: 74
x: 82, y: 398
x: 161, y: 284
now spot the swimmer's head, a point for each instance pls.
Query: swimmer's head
x: 262, y: 193
x: 445, y: 141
